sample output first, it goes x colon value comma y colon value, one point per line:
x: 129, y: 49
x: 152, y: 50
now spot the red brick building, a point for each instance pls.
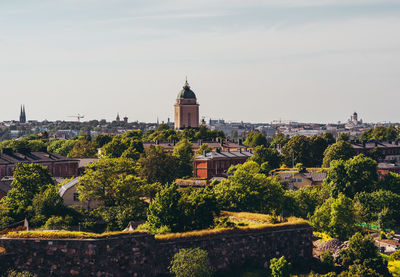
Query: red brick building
x: 390, y: 150
x: 59, y: 166
x: 216, y: 164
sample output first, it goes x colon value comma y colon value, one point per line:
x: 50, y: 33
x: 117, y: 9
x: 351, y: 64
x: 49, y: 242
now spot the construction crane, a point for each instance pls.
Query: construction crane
x: 78, y: 117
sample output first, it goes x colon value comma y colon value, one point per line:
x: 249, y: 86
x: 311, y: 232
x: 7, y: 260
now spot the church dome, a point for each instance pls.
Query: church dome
x: 186, y: 92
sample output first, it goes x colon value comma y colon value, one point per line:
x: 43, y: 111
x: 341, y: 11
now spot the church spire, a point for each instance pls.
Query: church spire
x: 22, y: 115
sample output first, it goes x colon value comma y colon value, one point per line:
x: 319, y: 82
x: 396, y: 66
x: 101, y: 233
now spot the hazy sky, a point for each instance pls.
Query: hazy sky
x: 250, y: 60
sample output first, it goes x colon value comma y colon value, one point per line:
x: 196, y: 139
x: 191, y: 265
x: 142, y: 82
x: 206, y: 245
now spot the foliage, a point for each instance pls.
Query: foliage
x: 83, y: 149
x: 14, y: 273
x: 61, y: 146
x: 254, y: 139
x: 395, y: 256
x: 354, y: 175
x: 249, y: 190
x: 327, y: 261
x: 101, y: 140
x: 191, y: 263
x: 127, y: 145
x: 280, y: 267
x: 303, y: 202
x: 263, y: 154
x: 157, y: 165
x: 58, y: 222
x: 380, y: 133
x: 279, y: 139
x: 380, y: 205
x: 335, y: 217
x: 182, y: 211
x: 341, y: 150
x: 362, y: 254
x: 391, y: 182
x: 204, y: 147
x: 183, y: 155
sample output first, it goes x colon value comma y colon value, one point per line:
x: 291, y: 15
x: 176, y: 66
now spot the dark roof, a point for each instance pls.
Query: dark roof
x: 224, y: 155
x: 312, y: 176
x: 186, y: 92
x: 5, y: 185
x: 371, y: 145
x: 32, y: 157
x: 388, y: 166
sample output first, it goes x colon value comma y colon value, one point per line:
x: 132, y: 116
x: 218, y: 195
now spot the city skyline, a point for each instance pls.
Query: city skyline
x: 256, y: 61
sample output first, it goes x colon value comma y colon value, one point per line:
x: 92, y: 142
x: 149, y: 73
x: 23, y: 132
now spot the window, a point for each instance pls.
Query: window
x: 76, y: 197
x: 299, y: 180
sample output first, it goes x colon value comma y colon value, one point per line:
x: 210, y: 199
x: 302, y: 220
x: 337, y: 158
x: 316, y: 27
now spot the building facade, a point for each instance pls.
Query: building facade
x: 59, y: 166
x: 186, y: 109
x: 216, y: 164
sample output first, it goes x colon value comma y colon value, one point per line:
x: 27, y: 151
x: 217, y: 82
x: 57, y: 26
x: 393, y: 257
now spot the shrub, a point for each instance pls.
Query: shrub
x: 58, y: 222
x: 395, y: 256
x: 280, y: 267
x: 14, y: 273
x: 191, y: 263
x: 327, y: 261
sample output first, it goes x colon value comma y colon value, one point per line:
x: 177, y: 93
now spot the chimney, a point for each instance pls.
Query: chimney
x: 240, y: 150
x: 240, y: 141
x: 204, y: 153
x: 229, y: 150
x: 251, y: 151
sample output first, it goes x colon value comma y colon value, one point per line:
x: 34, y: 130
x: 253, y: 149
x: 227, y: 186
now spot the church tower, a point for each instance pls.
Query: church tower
x: 22, y: 115
x: 186, y: 109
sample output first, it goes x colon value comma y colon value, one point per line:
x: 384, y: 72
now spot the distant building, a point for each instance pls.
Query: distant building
x: 221, y: 145
x: 59, y: 166
x: 22, y: 115
x: 385, y: 168
x: 117, y: 119
x: 389, y: 150
x: 186, y: 109
x: 70, y: 196
x: 298, y: 180
x: 216, y: 164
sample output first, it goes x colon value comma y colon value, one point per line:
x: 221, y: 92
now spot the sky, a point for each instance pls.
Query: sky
x: 246, y: 60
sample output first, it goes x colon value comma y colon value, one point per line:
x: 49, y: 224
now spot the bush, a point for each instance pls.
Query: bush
x: 58, y: 222
x: 395, y: 256
x: 191, y: 263
x: 280, y: 267
x: 327, y: 261
x: 14, y: 273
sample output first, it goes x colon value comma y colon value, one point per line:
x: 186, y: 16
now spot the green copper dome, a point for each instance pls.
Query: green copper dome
x: 186, y: 92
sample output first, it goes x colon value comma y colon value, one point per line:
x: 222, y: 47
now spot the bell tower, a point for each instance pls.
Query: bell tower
x: 186, y: 109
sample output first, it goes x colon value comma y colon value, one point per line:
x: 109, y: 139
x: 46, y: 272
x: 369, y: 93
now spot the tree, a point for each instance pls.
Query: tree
x: 204, y: 147
x: 112, y: 181
x: 157, y: 165
x: 263, y: 154
x: 391, y: 182
x: 191, y: 263
x: 297, y: 150
x: 382, y: 203
x: 280, y: 267
x: 184, y: 156
x: 318, y: 144
x: 303, y: 202
x: 336, y: 217
x: 279, y: 139
x: 254, y: 139
x: 380, y: 133
x: 83, y: 149
x: 101, y: 140
x: 354, y: 175
x: 164, y: 210
x: 362, y: 254
x: 249, y: 190
x: 127, y: 145
x: 342, y: 150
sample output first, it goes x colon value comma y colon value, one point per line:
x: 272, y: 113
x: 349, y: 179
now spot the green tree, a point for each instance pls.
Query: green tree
x: 83, y: 149
x: 303, y: 202
x: 157, y: 165
x: 112, y: 181
x: 249, y: 190
x: 354, y: 175
x: 297, y: 149
x: 280, y: 267
x: 204, y: 147
x: 391, y: 182
x: 191, y: 263
x: 342, y: 150
x: 183, y: 155
x: 127, y: 145
x: 164, y: 210
x: 279, y: 139
x: 362, y: 254
x: 263, y: 154
x: 101, y: 140
x: 335, y: 217
x: 254, y: 139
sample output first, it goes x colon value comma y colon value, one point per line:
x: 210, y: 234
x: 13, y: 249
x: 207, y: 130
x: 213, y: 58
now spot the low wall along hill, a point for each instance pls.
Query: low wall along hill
x: 142, y: 254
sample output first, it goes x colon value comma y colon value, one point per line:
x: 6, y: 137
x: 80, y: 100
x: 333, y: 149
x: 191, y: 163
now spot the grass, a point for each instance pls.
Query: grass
x: 248, y: 216
x: 394, y: 268
x: 67, y: 234
x: 239, y: 229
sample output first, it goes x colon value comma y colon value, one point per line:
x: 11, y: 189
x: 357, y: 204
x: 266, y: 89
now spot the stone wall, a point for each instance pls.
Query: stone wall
x: 143, y: 255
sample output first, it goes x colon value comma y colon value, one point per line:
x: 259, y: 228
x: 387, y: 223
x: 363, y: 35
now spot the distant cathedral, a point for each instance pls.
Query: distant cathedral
x: 22, y: 115
x: 186, y: 109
